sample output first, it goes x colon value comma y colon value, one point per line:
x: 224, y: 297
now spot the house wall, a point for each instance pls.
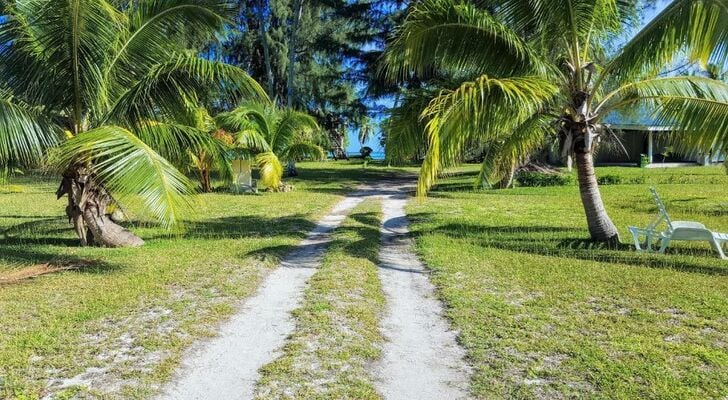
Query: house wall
x: 635, y: 142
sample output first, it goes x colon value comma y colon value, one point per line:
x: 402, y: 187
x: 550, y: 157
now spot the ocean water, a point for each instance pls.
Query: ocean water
x: 377, y: 155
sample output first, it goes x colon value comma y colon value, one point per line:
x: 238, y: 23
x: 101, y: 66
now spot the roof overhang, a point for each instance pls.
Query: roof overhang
x: 636, y: 127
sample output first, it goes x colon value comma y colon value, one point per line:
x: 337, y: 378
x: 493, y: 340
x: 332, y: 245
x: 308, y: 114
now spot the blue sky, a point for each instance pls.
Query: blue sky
x: 354, y: 144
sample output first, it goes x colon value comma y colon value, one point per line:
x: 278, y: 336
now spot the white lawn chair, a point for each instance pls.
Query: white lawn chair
x: 676, y: 230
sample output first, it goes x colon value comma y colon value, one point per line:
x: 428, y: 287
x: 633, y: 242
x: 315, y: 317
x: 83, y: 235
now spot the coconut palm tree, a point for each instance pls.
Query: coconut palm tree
x: 205, y: 160
x: 122, y: 80
x: 544, y: 65
x: 275, y: 136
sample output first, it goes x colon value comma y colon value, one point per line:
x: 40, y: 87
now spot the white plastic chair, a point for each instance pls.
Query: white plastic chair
x: 676, y: 230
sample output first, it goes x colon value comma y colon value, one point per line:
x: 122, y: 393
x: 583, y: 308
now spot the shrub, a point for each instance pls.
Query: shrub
x: 610, y: 180
x: 366, y: 151
x: 538, y: 179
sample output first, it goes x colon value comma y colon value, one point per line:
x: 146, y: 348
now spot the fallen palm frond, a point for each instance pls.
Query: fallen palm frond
x: 34, y: 271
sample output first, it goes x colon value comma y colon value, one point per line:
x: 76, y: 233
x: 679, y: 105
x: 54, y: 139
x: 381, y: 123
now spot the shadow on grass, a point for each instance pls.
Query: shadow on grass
x: 24, y: 243
x: 561, y: 242
x: 356, y: 241
x: 26, y: 256
x: 367, y: 233
x: 47, y: 231
x: 320, y: 180
x: 249, y: 226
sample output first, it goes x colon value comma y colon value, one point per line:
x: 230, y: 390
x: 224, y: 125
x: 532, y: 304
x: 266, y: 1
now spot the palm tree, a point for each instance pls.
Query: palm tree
x: 206, y: 160
x: 275, y: 136
x: 122, y: 80
x: 544, y: 66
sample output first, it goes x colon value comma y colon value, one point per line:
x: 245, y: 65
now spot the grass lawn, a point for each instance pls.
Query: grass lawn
x: 122, y: 323
x: 337, y: 332
x: 544, y: 314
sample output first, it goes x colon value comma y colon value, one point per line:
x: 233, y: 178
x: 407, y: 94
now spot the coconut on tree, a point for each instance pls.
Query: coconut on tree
x: 543, y: 68
x: 116, y: 86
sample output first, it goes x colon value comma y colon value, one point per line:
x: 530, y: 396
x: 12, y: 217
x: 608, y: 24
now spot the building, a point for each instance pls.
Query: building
x: 639, y: 135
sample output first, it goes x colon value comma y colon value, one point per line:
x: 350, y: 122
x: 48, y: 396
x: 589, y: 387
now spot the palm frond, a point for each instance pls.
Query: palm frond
x: 293, y: 127
x: 405, y: 128
x: 694, y: 108
x: 695, y: 28
x: 304, y: 150
x: 24, y: 134
x: 457, y: 36
x: 251, y: 139
x: 173, y: 141
x: 504, y: 154
x: 271, y: 169
x: 52, y: 51
x: 248, y: 116
x: 481, y: 109
x: 170, y: 88
x: 698, y: 124
x: 586, y: 22
x: 155, y: 29
x: 131, y: 169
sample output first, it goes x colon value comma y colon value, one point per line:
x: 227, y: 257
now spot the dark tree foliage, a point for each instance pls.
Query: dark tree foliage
x: 334, y: 46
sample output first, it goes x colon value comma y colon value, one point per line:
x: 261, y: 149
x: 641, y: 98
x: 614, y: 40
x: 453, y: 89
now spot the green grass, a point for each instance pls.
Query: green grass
x: 541, y: 311
x: 123, y: 323
x: 337, y: 325
x: 544, y: 314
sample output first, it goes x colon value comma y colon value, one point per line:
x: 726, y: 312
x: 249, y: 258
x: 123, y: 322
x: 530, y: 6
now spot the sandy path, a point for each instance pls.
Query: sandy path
x: 421, y: 359
x: 226, y: 367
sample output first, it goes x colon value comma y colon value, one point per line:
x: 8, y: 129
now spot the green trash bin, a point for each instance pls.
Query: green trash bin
x: 644, y: 160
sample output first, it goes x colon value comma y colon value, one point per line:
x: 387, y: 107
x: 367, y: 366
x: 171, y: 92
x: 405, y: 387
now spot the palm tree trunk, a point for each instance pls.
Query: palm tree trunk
x: 507, y: 180
x: 87, y: 203
x: 601, y: 227
x: 205, y: 180
x: 291, y: 169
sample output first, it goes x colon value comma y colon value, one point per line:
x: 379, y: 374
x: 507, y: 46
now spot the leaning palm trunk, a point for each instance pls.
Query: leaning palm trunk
x: 87, y: 204
x: 204, y: 172
x: 601, y: 227
x: 507, y: 181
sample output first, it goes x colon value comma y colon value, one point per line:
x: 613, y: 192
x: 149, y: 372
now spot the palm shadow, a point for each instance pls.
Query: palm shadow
x: 243, y: 226
x: 303, y: 255
x: 50, y: 231
x: 25, y: 256
x: 319, y: 180
x: 563, y: 242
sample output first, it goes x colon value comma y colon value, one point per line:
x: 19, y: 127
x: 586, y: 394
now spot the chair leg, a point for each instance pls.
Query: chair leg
x: 717, y: 245
x: 663, y: 244
x: 636, y: 237
x: 650, y: 241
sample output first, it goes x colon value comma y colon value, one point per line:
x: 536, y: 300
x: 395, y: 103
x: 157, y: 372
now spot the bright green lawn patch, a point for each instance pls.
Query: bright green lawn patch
x: 337, y: 332
x: 120, y: 326
x: 544, y: 314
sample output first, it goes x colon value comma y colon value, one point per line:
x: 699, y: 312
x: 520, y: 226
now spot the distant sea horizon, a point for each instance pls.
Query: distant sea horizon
x: 377, y: 155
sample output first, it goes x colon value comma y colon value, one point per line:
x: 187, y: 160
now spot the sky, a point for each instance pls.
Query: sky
x: 355, y: 146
